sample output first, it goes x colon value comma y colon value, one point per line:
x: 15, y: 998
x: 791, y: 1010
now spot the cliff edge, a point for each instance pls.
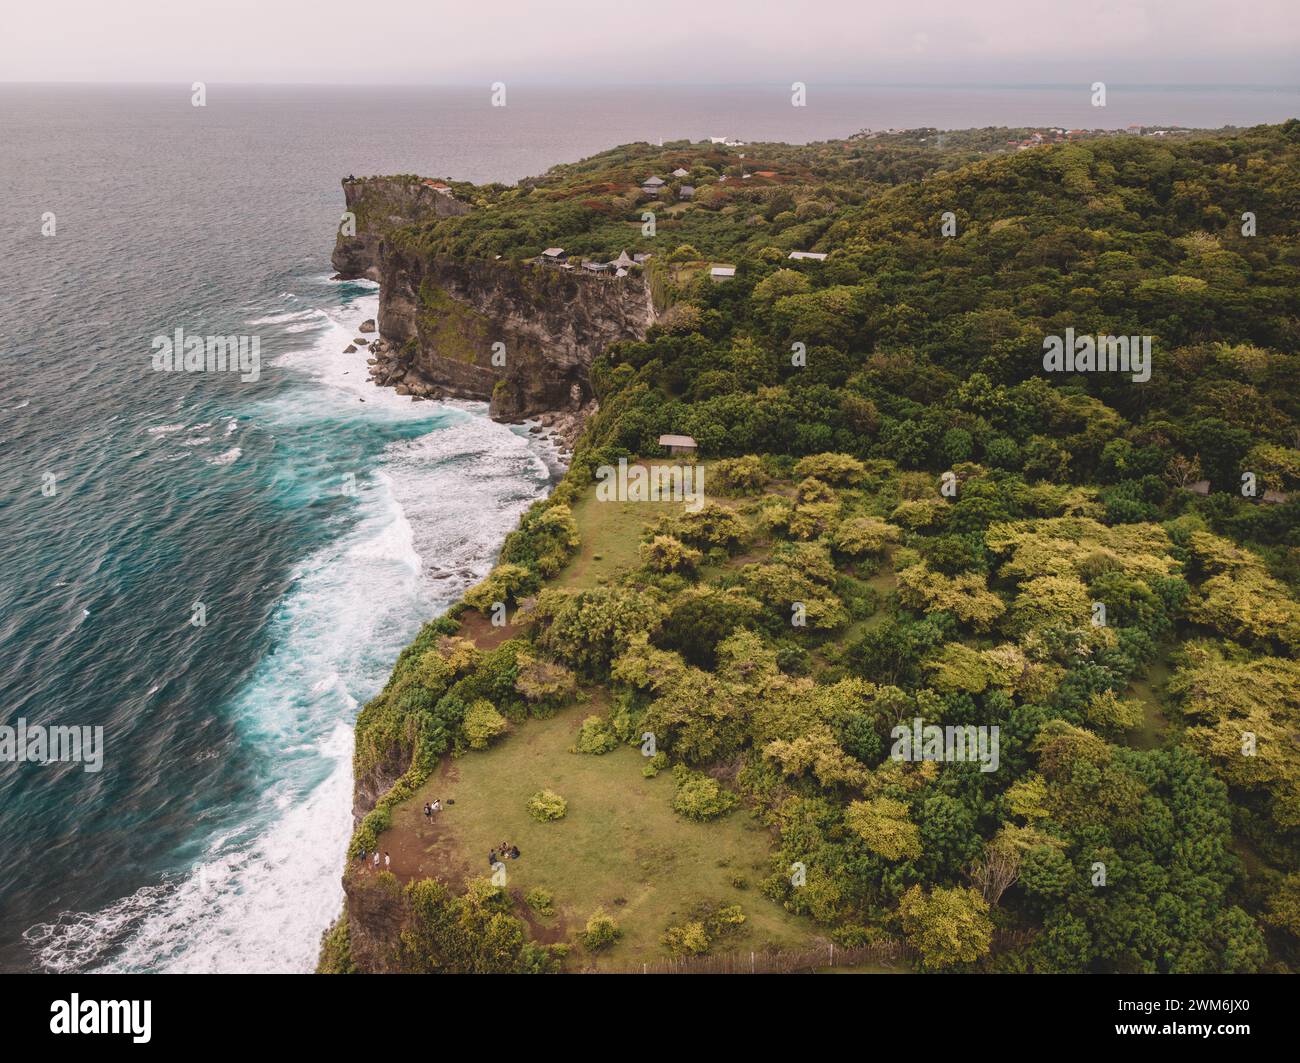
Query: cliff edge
x: 513, y: 332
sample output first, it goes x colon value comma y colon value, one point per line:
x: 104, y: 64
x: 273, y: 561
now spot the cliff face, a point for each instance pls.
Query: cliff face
x: 519, y: 335
x: 379, y: 204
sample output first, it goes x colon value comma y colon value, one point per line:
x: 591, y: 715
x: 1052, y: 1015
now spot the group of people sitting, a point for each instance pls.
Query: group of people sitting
x: 505, y: 849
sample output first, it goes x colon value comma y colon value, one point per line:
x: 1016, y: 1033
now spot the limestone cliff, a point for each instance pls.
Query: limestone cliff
x: 446, y: 318
x: 378, y: 205
x: 518, y: 334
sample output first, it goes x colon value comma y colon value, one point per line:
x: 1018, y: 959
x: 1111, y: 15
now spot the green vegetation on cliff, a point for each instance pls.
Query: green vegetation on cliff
x: 908, y: 522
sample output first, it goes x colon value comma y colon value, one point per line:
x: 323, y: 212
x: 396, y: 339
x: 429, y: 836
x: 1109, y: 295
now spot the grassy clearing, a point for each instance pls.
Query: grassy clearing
x: 1155, y: 724
x: 611, y: 537
x: 611, y: 540
x: 620, y: 847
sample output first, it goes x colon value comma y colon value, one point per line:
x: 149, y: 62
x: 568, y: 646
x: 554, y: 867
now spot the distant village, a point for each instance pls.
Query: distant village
x: 654, y: 186
x: 1035, y: 138
x: 1061, y: 136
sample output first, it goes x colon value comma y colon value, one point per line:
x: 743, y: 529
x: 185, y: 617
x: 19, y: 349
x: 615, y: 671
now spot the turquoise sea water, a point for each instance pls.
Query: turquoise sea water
x: 213, y: 837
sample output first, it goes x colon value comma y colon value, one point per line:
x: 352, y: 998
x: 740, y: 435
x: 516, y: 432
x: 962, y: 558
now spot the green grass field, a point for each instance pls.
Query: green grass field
x: 611, y: 539
x: 620, y: 846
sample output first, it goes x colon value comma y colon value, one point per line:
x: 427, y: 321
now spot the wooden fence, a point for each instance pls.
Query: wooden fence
x: 891, y: 952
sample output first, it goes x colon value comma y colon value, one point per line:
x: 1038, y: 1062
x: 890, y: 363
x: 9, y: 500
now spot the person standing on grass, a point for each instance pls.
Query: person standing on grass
x: 437, y: 805
x: 376, y: 859
x: 387, y: 860
x: 427, y: 810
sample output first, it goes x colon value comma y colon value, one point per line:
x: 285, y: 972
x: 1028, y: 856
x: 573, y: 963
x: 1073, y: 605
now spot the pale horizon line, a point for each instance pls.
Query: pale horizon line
x: 825, y: 83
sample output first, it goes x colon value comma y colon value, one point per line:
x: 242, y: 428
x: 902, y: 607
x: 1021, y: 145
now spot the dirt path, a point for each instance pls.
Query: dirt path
x: 483, y: 633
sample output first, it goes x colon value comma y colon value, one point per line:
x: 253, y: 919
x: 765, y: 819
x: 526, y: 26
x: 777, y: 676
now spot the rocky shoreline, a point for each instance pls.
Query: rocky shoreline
x: 387, y: 368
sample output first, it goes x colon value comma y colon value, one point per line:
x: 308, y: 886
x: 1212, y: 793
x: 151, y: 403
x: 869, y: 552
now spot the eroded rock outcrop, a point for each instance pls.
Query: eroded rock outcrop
x: 378, y: 205
x: 519, y: 335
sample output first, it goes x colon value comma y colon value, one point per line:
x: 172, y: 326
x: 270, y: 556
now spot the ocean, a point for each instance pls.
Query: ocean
x: 318, y: 521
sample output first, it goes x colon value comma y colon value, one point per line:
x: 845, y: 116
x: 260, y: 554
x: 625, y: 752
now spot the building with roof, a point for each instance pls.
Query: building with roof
x: 810, y: 256
x: 678, y: 444
x: 722, y: 273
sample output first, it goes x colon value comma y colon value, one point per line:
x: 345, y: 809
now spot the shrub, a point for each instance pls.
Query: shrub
x: 737, y: 476
x: 1111, y: 714
x: 782, y: 282
x: 657, y: 764
x: 811, y: 489
x: 543, y: 684
x: 505, y: 583
x: 601, y: 932
x: 595, y: 737
x: 547, y: 805
x: 482, y: 724
x: 542, y: 901
x: 469, y: 934
x: 590, y: 628
x: 545, y: 539
x: 832, y: 468
x: 664, y: 553
x: 948, y: 927
x: 688, y: 939
x: 860, y: 536
x: 708, y: 924
x: 712, y: 525
x: 699, y: 796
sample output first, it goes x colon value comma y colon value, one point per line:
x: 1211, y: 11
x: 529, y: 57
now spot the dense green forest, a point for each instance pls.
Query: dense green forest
x: 963, y: 537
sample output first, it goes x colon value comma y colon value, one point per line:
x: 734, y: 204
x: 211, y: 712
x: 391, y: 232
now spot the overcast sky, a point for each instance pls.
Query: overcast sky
x: 679, y: 41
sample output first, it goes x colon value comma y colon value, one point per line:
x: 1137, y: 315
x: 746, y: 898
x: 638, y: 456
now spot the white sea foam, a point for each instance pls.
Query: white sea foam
x: 288, y: 317
x: 432, y: 513
x: 228, y: 457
